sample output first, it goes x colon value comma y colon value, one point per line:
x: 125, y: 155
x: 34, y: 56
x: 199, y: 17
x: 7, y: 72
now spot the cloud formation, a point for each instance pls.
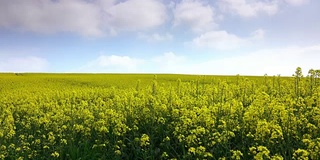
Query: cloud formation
x: 194, y: 14
x: 202, y: 24
x: 258, y: 34
x: 222, y: 40
x: 112, y: 64
x: 96, y: 18
x: 250, y: 8
x: 297, y: 2
x: 156, y: 37
x: 170, y: 62
x: 46, y: 16
x: 265, y: 61
x: 87, y: 18
x: 23, y: 64
x: 135, y: 15
x: 268, y: 61
x: 254, y: 8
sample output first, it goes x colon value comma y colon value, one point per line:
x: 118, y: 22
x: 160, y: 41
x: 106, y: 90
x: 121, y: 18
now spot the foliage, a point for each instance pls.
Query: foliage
x: 117, y: 116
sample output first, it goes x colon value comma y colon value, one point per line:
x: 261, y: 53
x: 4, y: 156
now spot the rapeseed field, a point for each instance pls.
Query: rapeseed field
x: 144, y: 116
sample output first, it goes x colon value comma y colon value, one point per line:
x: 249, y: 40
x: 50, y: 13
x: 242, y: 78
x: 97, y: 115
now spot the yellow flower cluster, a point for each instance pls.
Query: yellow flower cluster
x: 115, y: 116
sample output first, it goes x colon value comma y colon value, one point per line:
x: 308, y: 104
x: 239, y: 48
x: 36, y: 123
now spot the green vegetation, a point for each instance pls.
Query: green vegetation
x: 143, y: 116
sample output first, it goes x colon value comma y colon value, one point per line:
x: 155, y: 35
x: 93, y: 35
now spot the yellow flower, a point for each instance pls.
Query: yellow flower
x: 300, y: 154
x: 166, y: 139
x: 63, y: 141
x: 236, y: 154
x: 55, y: 154
x: 192, y: 150
x: 51, y: 138
x: 117, y: 152
x: 144, y: 140
x: 164, y: 155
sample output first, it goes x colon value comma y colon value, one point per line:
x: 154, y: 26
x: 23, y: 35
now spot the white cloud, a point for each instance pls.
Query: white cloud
x: 220, y: 40
x: 194, y: 14
x: 112, y: 64
x: 281, y: 61
x: 135, y: 15
x: 169, y: 59
x: 258, y: 34
x: 266, y: 61
x: 250, y: 8
x: 271, y: 61
x: 156, y: 37
x: 297, y: 2
x: 87, y: 18
x: 114, y: 60
x: 23, y: 64
x: 51, y: 16
x: 168, y: 62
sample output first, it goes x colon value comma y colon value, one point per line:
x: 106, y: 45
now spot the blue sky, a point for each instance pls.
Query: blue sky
x: 246, y: 37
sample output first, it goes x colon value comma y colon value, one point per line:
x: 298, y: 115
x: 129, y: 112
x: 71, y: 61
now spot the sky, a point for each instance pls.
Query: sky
x: 220, y: 37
